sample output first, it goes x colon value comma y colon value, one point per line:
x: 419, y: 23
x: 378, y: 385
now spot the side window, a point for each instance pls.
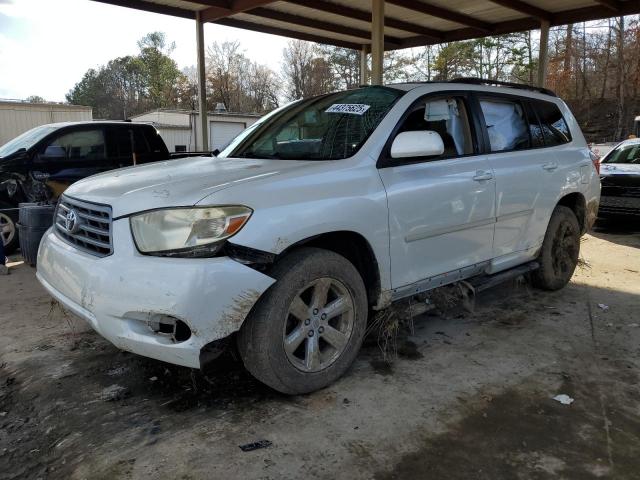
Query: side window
x: 506, y: 124
x: 123, y: 138
x: 155, y: 141
x: 535, y: 130
x: 554, y: 127
x: 82, y: 145
x: 447, y: 116
x: 140, y: 144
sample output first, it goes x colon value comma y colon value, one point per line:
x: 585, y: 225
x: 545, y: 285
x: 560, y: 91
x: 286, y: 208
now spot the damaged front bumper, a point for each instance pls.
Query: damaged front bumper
x: 128, y: 297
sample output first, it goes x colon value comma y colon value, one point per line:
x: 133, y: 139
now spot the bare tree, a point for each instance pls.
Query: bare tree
x: 237, y: 82
x: 305, y: 70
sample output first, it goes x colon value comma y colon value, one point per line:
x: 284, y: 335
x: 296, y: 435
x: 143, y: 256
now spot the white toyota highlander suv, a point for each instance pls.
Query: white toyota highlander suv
x: 325, y: 210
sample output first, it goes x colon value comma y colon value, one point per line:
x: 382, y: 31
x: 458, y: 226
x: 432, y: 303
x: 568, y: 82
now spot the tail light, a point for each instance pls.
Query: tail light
x: 595, y: 158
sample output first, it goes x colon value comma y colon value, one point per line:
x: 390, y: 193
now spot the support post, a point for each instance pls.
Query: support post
x: 202, y: 87
x: 364, y: 65
x: 543, y: 57
x: 377, y: 41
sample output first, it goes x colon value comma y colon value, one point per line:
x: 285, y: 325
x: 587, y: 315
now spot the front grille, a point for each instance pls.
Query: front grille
x: 87, y: 226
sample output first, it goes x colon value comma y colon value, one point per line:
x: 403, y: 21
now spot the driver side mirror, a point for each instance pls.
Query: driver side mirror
x: 423, y: 143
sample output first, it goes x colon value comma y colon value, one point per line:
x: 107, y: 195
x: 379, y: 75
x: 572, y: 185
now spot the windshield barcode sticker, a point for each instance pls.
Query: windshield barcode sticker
x: 352, y: 108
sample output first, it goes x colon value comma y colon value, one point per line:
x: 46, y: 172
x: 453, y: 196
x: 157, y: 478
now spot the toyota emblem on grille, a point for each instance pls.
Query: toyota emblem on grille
x: 71, y: 222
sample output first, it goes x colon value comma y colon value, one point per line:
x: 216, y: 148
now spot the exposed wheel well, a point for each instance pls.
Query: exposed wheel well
x: 355, y: 248
x: 577, y: 203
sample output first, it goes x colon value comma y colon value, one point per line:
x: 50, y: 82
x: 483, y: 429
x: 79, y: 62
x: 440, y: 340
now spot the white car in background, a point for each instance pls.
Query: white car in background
x: 620, y: 178
x: 324, y: 210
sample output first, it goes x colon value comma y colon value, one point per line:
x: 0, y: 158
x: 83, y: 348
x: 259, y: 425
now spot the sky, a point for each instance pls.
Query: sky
x: 46, y: 46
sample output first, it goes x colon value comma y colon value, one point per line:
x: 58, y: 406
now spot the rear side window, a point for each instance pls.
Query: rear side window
x: 535, y: 130
x: 130, y: 140
x: 155, y: 141
x: 140, y: 145
x: 124, y: 142
x: 506, y: 124
x: 554, y: 127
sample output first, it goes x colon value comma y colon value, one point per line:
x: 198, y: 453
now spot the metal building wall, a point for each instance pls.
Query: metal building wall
x: 17, y: 117
x: 183, y: 127
x: 173, y: 136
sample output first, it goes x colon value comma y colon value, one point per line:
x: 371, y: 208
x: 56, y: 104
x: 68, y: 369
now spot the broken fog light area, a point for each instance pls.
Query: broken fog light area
x: 170, y: 327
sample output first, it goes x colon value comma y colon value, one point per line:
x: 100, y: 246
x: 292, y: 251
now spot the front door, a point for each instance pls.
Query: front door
x: 441, y: 209
x: 70, y: 156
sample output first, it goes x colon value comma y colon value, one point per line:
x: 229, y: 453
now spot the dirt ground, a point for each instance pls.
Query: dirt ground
x: 471, y: 396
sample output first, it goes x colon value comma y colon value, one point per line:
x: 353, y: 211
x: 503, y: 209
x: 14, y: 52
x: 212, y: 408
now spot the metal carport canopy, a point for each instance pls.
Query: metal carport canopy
x: 407, y: 23
x: 378, y: 25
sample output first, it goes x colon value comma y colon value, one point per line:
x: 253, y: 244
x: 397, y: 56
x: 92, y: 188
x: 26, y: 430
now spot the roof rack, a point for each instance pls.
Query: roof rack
x: 483, y: 81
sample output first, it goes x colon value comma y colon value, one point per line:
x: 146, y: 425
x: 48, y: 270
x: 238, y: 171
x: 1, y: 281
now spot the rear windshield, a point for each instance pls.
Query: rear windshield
x: 329, y: 127
x: 629, y: 153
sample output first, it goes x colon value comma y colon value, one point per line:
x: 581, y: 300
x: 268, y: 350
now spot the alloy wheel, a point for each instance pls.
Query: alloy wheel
x: 319, y: 324
x: 7, y: 229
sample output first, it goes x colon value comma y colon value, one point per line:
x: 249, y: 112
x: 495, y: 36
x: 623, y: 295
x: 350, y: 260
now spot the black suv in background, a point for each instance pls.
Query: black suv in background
x: 41, y: 163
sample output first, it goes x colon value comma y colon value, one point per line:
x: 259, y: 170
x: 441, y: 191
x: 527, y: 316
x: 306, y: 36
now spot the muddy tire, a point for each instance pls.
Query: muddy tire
x: 560, y: 249
x: 9, y: 227
x: 306, y: 330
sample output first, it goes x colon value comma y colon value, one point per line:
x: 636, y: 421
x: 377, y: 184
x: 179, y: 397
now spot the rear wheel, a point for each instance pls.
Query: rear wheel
x: 8, y: 227
x: 306, y: 330
x: 560, y: 250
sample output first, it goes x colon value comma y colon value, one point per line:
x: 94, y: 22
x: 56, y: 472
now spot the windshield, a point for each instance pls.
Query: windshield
x: 26, y: 140
x: 328, y: 127
x: 629, y: 153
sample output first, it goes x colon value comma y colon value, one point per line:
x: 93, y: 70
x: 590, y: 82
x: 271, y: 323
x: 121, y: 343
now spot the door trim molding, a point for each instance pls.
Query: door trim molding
x: 426, y: 232
x: 509, y: 216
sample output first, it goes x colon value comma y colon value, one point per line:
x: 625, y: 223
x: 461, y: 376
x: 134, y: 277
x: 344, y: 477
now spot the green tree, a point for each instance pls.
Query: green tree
x: 160, y: 72
x: 130, y: 85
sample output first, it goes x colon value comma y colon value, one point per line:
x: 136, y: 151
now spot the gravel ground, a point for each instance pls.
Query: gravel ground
x: 470, y: 396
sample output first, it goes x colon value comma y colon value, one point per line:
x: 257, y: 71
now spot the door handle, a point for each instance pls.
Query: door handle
x: 481, y: 176
x: 550, y: 167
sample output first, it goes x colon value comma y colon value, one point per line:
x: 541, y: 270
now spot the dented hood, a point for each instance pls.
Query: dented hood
x: 175, y: 183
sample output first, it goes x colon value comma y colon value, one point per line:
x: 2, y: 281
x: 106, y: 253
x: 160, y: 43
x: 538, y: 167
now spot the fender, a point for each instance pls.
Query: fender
x: 355, y: 201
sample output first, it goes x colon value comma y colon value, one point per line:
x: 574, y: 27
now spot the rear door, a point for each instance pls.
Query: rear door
x: 523, y: 136
x: 441, y: 209
x: 517, y: 156
x: 131, y: 144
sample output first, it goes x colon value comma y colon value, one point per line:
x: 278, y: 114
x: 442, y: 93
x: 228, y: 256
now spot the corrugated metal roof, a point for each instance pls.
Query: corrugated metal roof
x: 408, y: 23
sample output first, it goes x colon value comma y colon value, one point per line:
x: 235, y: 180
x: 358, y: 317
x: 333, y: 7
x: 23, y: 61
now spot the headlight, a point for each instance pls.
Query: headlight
x: 187, y: 232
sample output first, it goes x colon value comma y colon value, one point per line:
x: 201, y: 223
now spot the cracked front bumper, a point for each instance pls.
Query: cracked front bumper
x: 120, y: 294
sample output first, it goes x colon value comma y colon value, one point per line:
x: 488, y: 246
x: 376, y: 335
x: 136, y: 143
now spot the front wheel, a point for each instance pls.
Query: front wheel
x: 560, y: 250
x: 306, y: 330
x: 8, y: 227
